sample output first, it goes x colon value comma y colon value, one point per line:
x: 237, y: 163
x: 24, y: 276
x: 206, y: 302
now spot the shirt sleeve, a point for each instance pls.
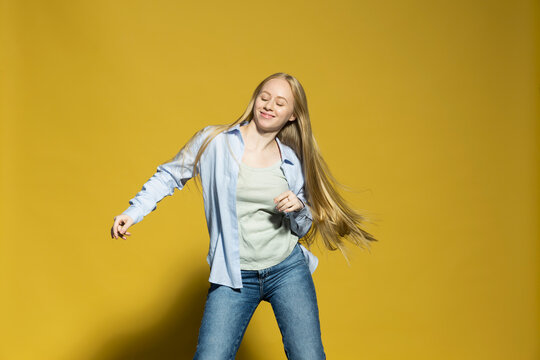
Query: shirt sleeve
x: 302, y: 219
x: 169, y: 176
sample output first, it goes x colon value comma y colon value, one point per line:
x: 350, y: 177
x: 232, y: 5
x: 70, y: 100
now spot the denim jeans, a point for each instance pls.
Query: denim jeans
x: 288, y: 287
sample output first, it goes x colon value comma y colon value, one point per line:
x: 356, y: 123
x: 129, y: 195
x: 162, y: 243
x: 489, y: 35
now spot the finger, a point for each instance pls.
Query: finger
x: 122, y: 232
x: 285, y: 198
x: 115, y: 229
x: 291, y: 207
x: 282, y: 196
x: 123, y: 229
x: 279, y: 204
x: 285, y: 204
x: 290, y: 200
x: 295, y: 205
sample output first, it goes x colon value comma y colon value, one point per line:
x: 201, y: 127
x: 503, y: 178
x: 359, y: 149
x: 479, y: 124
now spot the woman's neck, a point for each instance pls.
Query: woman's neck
x: 257, y: 141
x: 260, y: 150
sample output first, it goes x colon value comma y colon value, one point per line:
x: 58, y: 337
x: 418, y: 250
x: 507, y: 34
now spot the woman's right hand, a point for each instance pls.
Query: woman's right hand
x: 121, y: 224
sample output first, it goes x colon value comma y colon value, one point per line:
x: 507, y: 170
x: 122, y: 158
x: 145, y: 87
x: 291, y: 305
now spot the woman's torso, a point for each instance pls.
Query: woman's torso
x: 265, y: 238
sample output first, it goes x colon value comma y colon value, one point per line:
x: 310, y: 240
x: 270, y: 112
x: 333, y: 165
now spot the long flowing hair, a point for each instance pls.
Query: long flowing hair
x: 333, y: 218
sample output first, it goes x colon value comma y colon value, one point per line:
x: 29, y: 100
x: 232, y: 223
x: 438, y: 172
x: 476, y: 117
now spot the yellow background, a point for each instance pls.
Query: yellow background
x: 427, y: 109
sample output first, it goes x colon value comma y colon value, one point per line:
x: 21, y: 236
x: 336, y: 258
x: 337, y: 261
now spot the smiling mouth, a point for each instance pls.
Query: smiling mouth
x: 267, y: 116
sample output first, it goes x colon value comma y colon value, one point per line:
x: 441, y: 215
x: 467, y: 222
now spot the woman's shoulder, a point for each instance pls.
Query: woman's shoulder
x: 207, y: 129
x: 213, y: 135
x: 204, y: 132
x: 220, y: 133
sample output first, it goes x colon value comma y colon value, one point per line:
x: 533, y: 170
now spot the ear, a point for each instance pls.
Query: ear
x: 292, y: 118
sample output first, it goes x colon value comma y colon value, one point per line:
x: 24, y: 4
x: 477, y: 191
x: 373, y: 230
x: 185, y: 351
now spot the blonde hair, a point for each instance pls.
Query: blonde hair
x: 333, y: 217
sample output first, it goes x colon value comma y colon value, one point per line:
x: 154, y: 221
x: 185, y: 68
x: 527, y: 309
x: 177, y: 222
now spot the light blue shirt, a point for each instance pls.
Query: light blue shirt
x: 218, y: 169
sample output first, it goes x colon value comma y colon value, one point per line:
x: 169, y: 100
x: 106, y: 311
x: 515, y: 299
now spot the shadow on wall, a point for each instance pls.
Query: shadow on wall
x: 175, y: 337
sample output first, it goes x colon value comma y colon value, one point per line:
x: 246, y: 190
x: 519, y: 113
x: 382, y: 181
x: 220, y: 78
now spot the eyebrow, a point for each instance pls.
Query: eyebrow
x: 278, y: 96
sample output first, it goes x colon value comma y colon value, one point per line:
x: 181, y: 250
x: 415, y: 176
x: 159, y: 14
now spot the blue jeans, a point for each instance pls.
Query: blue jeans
x: 288, y: 287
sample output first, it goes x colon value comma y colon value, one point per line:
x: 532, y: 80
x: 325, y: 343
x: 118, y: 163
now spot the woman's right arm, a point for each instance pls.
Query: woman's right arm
x: 169, y: 176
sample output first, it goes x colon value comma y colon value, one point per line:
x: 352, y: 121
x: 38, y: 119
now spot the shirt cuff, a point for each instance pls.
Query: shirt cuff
x: 133, y: 213
x: 299, y: 214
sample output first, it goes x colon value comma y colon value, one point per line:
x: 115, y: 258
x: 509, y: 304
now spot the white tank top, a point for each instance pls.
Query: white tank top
x: 265, y: 235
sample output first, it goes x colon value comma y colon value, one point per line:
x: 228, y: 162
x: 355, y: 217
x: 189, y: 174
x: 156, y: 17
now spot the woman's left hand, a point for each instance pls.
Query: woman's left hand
x: 288, y: 202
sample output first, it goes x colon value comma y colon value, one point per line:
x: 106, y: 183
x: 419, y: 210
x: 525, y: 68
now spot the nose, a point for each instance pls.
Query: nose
x: 269, y: 105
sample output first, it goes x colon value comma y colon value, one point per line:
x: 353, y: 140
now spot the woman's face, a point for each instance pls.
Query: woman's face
x: 274, y: 105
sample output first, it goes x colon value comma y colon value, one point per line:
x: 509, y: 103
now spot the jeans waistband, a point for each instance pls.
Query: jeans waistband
x: 295, y: 256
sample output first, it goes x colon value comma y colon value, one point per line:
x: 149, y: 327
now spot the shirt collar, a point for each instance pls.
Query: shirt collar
x: 285, y: 152
x: 284, y: 149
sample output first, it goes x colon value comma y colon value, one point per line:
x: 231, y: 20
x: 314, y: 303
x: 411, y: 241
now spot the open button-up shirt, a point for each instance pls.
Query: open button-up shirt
x: 218, y: 169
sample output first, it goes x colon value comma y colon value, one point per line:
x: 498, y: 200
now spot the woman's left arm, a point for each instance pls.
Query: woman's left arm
x: 294, y: 205
x: 301, y: 220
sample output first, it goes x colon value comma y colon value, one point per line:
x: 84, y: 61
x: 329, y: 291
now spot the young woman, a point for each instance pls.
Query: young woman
x: 265, y: 187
